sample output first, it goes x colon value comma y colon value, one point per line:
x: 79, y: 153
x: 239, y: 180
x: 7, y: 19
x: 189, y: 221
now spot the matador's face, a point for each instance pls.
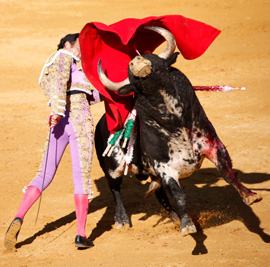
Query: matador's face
x: 74, y: 49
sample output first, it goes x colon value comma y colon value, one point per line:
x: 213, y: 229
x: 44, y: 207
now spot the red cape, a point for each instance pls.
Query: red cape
x: 115, y: 45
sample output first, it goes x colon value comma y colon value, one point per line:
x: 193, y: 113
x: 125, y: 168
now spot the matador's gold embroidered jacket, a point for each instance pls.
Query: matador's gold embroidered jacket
x: 61, y: 74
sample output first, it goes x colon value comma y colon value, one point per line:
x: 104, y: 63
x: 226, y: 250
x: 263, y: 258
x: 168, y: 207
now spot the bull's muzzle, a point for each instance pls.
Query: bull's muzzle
x: 140, y: 67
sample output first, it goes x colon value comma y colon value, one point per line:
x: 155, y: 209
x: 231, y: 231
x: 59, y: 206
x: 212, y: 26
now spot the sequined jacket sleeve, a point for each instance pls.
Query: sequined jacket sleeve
x: 55, y: 80
x: 59, y: 75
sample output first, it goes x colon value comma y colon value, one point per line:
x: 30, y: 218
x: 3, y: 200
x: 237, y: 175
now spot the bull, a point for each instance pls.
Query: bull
x: 173, y: 138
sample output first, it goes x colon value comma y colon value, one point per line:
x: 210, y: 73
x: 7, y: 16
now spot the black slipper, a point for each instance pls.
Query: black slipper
x: 82, y: 242
x: 12, y: 234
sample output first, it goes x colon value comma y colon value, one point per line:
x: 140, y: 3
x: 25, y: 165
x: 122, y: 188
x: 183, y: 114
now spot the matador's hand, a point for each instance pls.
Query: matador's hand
x: 53, y: 120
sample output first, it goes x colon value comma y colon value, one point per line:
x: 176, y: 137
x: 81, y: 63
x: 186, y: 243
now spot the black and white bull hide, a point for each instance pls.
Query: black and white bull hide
x: 174, y: 135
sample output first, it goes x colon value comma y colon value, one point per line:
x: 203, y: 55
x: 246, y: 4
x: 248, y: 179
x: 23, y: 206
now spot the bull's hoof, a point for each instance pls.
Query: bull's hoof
x: 187, y: 226
x: 120, y: 225
x: 188, y: 229
x: 252, y: 198
x: 121, y: 219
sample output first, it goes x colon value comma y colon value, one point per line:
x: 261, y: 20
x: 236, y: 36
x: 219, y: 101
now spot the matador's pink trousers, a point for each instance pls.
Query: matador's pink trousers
x: 75, y: 129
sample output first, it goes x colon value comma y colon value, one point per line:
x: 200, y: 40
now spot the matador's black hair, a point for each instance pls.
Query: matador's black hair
x: 71, y: 38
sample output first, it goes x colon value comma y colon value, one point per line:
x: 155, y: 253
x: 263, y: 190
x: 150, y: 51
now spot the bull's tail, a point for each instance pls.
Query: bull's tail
x: 155, y: 185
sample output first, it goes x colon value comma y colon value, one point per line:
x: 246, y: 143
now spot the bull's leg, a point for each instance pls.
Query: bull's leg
x: 219, y: 155
x: 121, y: 217
x: 162, y: 198
x: 164, y: 201
x: 110, y: 163
x: 179, y: 199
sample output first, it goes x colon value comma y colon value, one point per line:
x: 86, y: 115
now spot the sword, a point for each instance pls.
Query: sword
x: 44, y: 169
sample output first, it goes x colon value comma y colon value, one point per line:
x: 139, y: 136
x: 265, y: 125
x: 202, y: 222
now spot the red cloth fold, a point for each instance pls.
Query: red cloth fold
x: 116, y: 45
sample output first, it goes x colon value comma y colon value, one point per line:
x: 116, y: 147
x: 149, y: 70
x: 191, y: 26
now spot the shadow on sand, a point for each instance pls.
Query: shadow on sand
x: 209, y: 205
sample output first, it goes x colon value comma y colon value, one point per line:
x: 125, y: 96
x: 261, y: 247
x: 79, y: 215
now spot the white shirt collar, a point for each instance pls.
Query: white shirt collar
x: 69, y: 53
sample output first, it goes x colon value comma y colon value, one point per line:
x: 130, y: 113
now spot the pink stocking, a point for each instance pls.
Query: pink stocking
x: 32, y: 193
x: 81, y: 206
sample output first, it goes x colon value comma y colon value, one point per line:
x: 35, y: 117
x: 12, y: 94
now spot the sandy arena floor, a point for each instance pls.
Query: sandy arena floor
x: 232, y: 234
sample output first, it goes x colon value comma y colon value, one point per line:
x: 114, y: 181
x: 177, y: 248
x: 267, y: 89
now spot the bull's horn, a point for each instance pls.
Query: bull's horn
x: 171, y: 44
x: 108, y: 83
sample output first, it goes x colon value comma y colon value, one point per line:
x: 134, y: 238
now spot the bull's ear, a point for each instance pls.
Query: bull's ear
x: 126, y: 90
x: 172, y: 59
